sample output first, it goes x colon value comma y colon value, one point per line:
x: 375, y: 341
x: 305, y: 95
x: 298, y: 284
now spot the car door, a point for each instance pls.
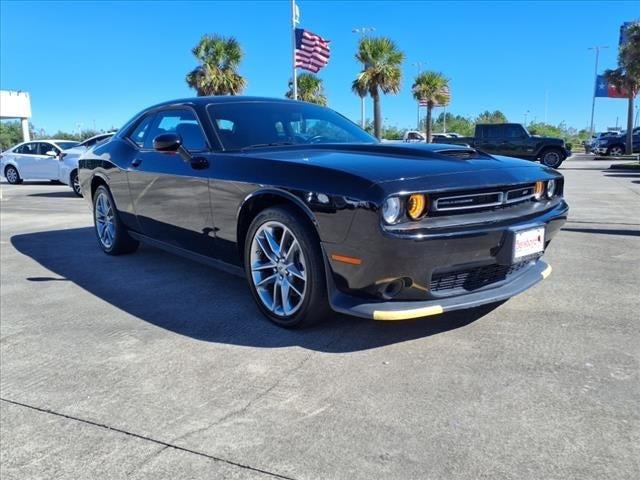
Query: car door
x: 488, y: 138
x: 514, y: 141
x: 26, y: 157
x: 47, y: 161
x: 170, y: 195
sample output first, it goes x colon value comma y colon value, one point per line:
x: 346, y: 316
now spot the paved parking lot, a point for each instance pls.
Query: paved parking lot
x: 151, y: 366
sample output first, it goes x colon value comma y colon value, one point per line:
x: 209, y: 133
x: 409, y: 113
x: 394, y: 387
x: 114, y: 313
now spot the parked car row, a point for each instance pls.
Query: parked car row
x: 615, y: 145
x: 54, y: 160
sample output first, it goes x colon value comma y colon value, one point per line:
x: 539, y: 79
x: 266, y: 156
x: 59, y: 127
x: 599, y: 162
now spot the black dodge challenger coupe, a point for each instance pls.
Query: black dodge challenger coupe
x: 317, y: 213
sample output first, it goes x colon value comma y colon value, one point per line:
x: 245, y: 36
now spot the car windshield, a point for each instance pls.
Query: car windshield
x: 245, y: 125
x: 67, y: 145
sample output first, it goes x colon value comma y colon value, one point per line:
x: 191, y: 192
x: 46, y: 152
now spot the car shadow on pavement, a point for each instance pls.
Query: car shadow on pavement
x: 67, y: 194
x: 198, y: 301
x: 604, y: 231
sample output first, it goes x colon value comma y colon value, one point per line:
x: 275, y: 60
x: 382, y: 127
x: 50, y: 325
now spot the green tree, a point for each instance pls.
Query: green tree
x: 492, y: 117
x: 217, y: 74
x: 432, y: 88
x: 310, y: 89
x: 10, y: 134
x: 454, y: 123
x: 627, y: 75
x: 381, y: 73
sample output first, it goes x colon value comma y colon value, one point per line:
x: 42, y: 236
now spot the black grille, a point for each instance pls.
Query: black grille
x: 474, y: 278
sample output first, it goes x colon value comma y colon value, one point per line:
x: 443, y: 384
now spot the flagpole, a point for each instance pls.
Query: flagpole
x: 595, y: 86
x: 293, y: 49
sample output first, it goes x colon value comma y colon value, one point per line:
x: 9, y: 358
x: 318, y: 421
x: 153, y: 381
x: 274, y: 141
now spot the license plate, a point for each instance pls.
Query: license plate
x: 528, y: 242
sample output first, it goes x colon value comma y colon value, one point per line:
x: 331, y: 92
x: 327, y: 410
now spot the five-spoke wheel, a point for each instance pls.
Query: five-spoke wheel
x: 284, y: 267
x: 112, y: 235
x: 278, y: 268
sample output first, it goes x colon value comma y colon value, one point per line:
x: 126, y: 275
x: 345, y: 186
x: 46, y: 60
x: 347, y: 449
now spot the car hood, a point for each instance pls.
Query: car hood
x: 382, y: 163
x: 75, y: 151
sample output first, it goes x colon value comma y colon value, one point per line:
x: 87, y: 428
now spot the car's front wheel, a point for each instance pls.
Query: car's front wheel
x: 75, y: 183
x: 12, y: 175
x: 552, y: 158
x: 112, y: 235
x: 285, y: 269
x: 615, y: 150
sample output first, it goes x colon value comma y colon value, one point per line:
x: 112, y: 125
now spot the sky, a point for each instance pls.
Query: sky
x: 95, y: 64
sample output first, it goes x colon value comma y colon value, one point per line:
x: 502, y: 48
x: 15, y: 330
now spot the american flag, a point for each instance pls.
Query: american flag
x: 445, y: 92
x: 312, y: 51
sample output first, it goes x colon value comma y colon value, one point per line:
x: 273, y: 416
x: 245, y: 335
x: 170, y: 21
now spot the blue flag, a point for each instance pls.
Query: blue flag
x: 602, y: 86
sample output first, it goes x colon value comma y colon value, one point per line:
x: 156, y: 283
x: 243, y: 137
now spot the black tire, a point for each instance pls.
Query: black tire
x: 552, y: 157
x: 616, y: 150
x: 120, y: 241
x: 12, y: 175
x: 75, y: 185
x: 314, y: 305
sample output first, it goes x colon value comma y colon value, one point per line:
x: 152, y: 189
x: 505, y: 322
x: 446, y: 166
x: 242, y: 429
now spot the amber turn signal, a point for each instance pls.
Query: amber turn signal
x: 416, y: 206
x: 538, y: 190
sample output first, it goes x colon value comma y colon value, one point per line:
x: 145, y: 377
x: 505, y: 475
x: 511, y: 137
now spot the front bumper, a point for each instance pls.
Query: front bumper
x: 391, y: 310
x: 417, y: 262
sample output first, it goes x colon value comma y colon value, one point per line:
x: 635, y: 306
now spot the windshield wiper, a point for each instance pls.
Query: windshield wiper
x: 264, y: 145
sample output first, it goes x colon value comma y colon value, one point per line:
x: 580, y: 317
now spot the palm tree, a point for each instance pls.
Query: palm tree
x: 381, y: 72
x: 432, y: 88
x: 627, y: 76
x: 310, y: 89
x: 217, y: 74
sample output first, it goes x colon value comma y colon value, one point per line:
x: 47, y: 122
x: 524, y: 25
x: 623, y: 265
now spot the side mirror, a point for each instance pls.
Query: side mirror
x: 171, y: 142
x: 51, y: 153
x: 167, y: 142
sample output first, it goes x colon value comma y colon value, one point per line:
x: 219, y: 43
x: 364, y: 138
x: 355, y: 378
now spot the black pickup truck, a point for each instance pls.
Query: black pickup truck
x: 513, y: 140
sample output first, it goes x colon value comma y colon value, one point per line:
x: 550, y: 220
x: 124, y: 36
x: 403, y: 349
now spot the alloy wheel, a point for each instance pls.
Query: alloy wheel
x: 75, y: 184
x: 616, y: 151
x: 12, y: 175
x: 278, y: 268
x: 105, y: 225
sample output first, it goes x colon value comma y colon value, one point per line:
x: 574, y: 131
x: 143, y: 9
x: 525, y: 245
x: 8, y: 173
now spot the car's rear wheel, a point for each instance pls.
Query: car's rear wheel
x: 284, y: 267
x: 12, y: 175
x: 615, y: 150
x: 112, y: 235
x: 552, y: 158
x: 75, y: 183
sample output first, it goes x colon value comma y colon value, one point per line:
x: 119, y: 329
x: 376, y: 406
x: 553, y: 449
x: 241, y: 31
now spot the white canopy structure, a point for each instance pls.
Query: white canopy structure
x: 16, y: 104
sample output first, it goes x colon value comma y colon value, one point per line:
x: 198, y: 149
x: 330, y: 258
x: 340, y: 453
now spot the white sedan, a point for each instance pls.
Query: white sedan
x: 37, y: 160
x: 68, y: 173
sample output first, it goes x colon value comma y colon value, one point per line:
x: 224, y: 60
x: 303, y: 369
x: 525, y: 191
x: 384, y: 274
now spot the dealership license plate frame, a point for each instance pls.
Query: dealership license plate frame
x: 535, y: 247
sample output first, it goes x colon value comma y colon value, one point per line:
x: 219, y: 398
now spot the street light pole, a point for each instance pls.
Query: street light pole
x: 525, y: 117
x: 595, y: 84
x: 362, y: 31
x: 419, y: 65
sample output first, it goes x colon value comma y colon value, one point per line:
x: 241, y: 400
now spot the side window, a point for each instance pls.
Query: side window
x: 139, y: 133
x: 494, y: 131
x: 28, y: 149
x: 46, y: 147
x: 513, y: 131
x: 182, y: 122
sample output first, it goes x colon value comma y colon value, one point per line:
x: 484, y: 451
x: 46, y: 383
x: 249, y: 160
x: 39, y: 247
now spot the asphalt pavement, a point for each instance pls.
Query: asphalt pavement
x: 150, y: 366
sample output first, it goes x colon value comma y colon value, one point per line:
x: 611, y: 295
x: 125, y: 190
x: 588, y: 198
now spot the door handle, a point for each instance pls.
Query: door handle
x: 136, y: 162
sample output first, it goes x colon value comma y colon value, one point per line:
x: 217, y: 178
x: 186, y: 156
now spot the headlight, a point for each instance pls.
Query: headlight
x: 416, y: 206
x: 391, y: 210
x: 551, y: 188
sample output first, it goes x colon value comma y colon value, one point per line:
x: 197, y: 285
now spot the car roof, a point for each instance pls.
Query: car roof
x: 221, y: 99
